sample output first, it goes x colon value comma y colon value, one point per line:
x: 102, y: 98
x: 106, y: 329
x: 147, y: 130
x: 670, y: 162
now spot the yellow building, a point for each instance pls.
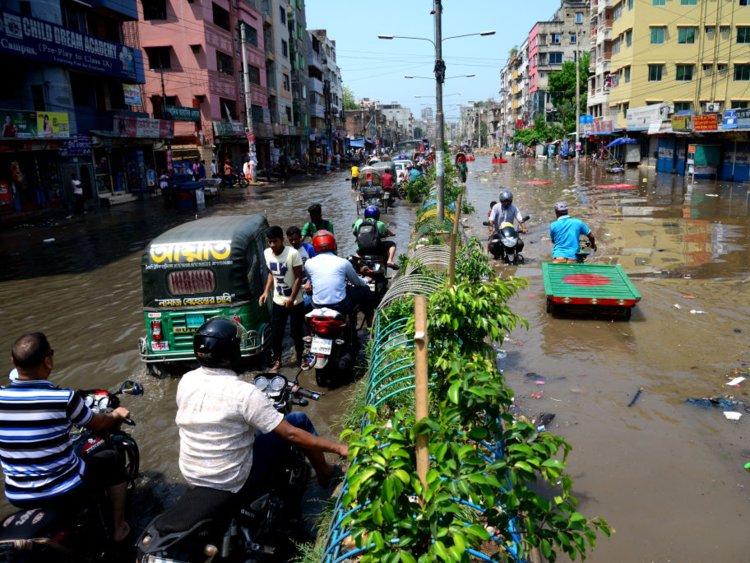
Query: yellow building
x: 692, y: 54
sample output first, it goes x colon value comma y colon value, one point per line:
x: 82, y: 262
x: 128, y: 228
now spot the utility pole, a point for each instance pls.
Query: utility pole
x: 578, y: 96
x: 164, y: 113
x: 439, y: 78
x: 248, y: 97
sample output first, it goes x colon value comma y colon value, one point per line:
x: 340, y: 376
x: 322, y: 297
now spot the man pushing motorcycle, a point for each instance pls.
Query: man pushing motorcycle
x: 230, y: 432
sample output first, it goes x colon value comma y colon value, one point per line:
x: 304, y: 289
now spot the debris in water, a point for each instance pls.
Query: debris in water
x: 539, y: 382
x: 714, y: 402
x: 635, y: 397
x: 534, y: 375
x: 738, y: 331
x: 49, y: 239
x: 732, y: 415
x: 712, y: 195
x: 501, y: 355
x: 697, y: 312
x: 536, y: 395
x: 688, y: 296
x: 736, y: 381
x: 677, y: 306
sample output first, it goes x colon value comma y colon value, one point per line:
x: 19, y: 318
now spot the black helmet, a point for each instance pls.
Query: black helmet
x: 506, y: 198
x: 217, y: 343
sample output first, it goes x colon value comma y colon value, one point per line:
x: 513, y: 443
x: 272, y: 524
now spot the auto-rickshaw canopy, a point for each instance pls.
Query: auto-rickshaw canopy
x: 214, y: 260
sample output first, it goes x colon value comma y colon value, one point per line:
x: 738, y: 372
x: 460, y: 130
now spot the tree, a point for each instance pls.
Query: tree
x: 542, y: 132
x: 562, y: 86
x: 348, y: 100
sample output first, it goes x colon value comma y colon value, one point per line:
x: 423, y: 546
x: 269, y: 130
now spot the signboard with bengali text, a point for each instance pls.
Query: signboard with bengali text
x: 706, y: 122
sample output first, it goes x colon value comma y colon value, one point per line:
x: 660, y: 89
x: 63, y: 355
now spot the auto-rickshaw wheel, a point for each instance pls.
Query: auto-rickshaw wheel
x: 157, y: 370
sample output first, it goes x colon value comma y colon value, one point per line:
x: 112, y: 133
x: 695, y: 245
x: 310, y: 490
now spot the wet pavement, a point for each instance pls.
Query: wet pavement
x: 667, y: 475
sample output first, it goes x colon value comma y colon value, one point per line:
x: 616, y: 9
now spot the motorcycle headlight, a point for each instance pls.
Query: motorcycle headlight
x: 261, y: 382
x: 508, y: 242
x: 277, y: 384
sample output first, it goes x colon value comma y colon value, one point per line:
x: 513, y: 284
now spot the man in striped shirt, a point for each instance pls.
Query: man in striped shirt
x: 36, y: 453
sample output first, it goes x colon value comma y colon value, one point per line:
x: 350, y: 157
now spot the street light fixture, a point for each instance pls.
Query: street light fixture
x: 439, y: 79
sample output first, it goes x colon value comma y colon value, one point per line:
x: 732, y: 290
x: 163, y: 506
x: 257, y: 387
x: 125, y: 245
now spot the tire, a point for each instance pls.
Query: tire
x: 132, y: 456
x: 323, y: 376
x: 157, y: 370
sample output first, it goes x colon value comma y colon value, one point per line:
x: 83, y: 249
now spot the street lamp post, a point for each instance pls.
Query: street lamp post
x: 439, y: 79
x: 578, y: 96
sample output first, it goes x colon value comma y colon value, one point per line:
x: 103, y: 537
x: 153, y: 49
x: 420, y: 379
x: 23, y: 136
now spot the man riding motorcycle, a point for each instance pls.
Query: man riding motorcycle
x: 229, y: 430
x: 565, y: 233
x: 41, y: 468
x: 329, y: 275
x: 505, y: 212
x: 385, y: 248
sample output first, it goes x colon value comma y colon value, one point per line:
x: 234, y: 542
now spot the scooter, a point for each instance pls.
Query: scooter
x: 83, y: 534
x: 374, y: 268
x: 506, y: 244
x: 210, y: 525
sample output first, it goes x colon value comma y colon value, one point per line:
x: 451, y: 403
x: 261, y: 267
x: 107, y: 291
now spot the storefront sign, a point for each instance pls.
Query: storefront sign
x: 80, y: 145
x: 143, y: 128
x: 229, y: 129
x: 736, y: 119
x: 682, y: 123
x: 640, y: 119
x: 132, y: 94
x: 707, y: 122
x: 42, y: 41
x: 32, y: 124
x: 180, y: 113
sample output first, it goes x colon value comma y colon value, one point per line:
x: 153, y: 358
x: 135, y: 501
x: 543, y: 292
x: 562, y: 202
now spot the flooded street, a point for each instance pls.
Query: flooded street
x: 666, y: 474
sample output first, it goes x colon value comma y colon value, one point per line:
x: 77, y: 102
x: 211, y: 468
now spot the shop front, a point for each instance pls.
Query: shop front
x: 230, y: 144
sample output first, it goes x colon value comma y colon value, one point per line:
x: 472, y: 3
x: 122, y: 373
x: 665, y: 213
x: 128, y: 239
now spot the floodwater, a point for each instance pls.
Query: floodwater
x: 667, y: 475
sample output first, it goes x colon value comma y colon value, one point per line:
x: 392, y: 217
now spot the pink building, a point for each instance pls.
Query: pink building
x: 534, y: 59
x: 194, y: 64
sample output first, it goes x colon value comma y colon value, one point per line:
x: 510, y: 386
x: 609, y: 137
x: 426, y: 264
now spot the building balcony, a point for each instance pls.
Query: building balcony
x: 315, y: 85
x: 316, y: 110
x: 599, y: 96
x: 604, y: 34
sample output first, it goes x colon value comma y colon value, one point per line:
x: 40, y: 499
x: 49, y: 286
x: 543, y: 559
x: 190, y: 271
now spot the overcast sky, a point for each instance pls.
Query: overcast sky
x: 375, y: 68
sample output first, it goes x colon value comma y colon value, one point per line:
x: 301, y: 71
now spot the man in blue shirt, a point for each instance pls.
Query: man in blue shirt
x: 40, y: 466
x: 565, y: 233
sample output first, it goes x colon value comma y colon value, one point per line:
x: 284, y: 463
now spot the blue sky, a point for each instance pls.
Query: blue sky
x: 375, y: 68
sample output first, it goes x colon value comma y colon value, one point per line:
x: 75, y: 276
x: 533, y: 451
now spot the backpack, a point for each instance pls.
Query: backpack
x: 368, y: 237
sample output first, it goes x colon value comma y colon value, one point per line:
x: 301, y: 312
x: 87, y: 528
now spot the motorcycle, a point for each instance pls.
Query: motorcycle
x: 210, y: 525
x: 83, y: 534
x: 332, y: 344
x: 374, y: 268
x: 506, y: 244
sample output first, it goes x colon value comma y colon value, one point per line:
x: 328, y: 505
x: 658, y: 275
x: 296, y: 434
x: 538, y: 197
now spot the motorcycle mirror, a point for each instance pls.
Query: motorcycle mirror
x: 526, y: 218
x: 130, y: 387
x: 486, y: 223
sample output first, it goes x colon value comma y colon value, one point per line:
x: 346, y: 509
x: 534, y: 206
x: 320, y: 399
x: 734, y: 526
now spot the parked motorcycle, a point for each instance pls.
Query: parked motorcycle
x: 83, y: 534
x: 210, y: 525
x: 506, y: 244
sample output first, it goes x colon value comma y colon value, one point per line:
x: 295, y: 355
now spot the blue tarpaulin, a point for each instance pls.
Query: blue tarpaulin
x: 623, y: 141
x: 357, y: 143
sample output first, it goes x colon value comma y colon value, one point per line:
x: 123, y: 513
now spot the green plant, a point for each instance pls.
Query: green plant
x: 471, y: 262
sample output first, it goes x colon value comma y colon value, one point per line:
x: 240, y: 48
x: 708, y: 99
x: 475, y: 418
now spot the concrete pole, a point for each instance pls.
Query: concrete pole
x: 578, y: 95
x: 248, y: 97
x: 439, y: 141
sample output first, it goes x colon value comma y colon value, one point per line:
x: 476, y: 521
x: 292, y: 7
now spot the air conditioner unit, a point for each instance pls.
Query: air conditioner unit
x: 713, y: 107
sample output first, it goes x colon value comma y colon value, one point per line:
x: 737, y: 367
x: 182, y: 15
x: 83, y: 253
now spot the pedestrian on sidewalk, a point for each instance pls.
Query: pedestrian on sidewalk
x: 285, y: 266
x: 214, y: 170
x: 77, y: 186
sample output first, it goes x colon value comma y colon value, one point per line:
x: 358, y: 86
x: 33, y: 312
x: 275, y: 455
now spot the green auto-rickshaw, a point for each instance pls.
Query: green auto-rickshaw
x: 212, y: 267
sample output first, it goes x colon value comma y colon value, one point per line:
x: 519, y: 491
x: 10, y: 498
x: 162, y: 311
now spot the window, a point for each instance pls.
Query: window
x: 616, y: 46
x: 684, y: 72
x: 744, y: 3
x: 742, y: 72
x: 737, y: 104
x: 80, y: 85
x: 25, y: 8
x: 708, y: 69
x: 221, y: 17
x: 660, y: 2
x: 257, y: 114
x: 282, y: 14
x: 555, y: 58
x: 251, y: 34
x: 37, y: 97
x: 579, y: 17
x: 721, y: 67
x: 573, y: 38
x: 288, y: 113
x: 626, y: 74
x: 617, y: 12
x: 629, y: 38
x: 73, y: 16
x: 686, y: 35
x: 253, y: 72
x: 655, y: 72
x: 190, y: 282
x: 154, y: 9
x: 556, y: 39
x: 158, y: 57
x: 657, y: 35
x: 688, y: 2
x: 285, y: 82
x: 710, y: 30
x: 284, y: 49
x: 224, y: 63
x: 743, y: 34
x: 227, y: 109
x: 630, y: 4
x: 682, y: 106
x: 625, y: 108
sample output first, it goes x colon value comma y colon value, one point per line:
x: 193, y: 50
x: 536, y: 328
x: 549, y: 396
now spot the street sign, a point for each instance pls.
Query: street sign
x: 180, y: 113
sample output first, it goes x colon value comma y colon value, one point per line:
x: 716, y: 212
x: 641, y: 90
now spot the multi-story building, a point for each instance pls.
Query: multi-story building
x: 298, y: 41
x: 279, y: 77
x: 332, y: 92
x: 72, y: 81
x: 694, y: 55
x: 401, y: 120
x: 317, y: 64
x: 551, y: 43
x: 194, y: 77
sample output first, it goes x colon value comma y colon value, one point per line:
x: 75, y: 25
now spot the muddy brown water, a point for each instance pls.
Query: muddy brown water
x: 667, y: 475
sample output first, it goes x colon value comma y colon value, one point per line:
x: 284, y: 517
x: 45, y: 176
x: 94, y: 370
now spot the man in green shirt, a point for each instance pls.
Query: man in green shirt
x: 373, y: 246
x: 316, y: 222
